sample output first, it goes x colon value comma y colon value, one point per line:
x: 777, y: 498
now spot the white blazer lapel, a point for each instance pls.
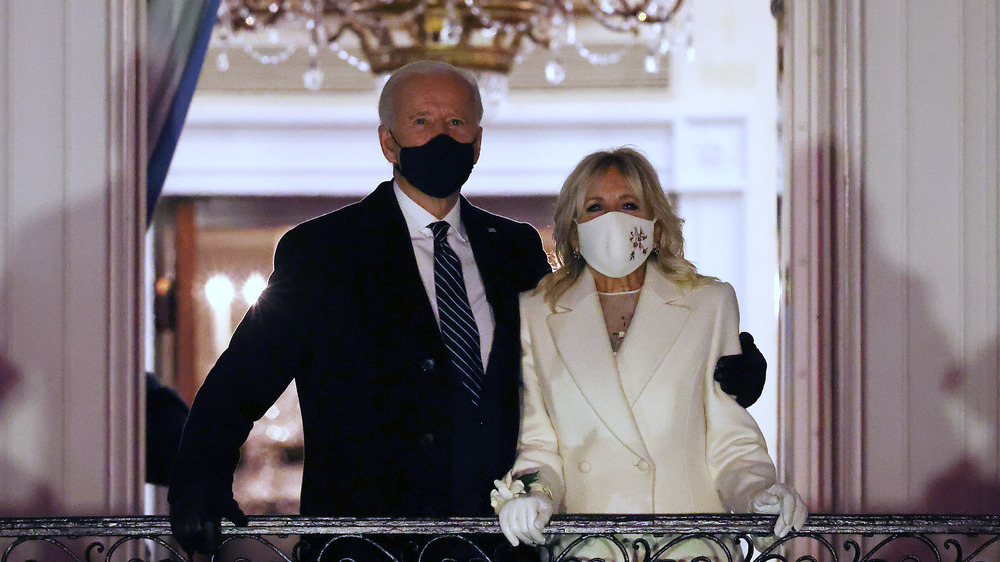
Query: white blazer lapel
x: 659, y: 317
x: 581, y: 337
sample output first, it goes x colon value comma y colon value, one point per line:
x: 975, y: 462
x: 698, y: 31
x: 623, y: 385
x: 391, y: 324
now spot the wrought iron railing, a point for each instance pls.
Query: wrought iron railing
x: 730, y: 538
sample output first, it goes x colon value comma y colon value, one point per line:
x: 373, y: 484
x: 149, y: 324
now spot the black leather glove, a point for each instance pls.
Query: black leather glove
x: 742, y: 376
x: 195, y: 519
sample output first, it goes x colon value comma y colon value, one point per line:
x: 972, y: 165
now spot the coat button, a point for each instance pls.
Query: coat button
x: 642, y: 465
x: 584, y: 467
x: 425, y: 439
x: 427, y: 366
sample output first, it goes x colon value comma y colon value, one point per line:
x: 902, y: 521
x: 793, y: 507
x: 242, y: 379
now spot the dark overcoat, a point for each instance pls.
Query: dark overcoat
x: 345, y: 314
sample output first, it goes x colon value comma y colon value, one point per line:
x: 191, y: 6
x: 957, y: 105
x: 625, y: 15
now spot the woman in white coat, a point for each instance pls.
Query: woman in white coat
x: 621, y: 413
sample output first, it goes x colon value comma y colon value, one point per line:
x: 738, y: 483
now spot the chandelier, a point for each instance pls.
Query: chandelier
x: 486, y: 37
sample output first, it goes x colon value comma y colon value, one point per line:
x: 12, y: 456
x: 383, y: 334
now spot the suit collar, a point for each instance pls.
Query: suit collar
x: 398, y: 256
x: 583, y: 288
x: 659, y: 318
x: 658, y: 284
x: 612, y: 385
x: 580, y: 335
x: 472, y: 216
x: 385, y: 224
x: 483, y: 239
x: 417, y: 218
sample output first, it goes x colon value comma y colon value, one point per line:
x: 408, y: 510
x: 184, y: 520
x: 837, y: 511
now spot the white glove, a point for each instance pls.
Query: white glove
x: 786, y: 502
x: 523, y: 518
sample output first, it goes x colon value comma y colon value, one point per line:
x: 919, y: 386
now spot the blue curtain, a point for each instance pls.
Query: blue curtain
x: 177, y: 40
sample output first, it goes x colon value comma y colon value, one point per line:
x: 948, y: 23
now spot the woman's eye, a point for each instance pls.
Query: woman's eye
x: 594, y: 208
x: 630, y: 207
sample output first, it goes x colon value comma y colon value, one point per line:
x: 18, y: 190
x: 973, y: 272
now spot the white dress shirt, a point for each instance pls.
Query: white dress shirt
x: 418, y: 220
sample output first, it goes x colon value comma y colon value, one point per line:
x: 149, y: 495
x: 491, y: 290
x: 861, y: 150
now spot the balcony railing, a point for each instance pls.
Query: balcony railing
x: 855, y: 538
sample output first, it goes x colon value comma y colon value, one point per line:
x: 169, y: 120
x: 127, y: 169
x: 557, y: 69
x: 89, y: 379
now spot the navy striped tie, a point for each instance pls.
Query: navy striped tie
x: 458, y: 325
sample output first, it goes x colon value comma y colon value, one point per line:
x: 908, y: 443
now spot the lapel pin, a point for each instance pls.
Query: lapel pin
x: 491, y: 229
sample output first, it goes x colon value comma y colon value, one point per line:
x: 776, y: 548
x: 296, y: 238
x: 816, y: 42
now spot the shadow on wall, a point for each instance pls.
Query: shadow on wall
x: 932, y: 364
x: 931, y: 400
x: 51, y: 320
x: 955, y: 408
x: 967, y: 486
x: 31, y: 412
x: 24, y: 495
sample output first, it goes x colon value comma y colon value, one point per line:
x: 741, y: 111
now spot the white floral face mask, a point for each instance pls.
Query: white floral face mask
x: 616, y: 243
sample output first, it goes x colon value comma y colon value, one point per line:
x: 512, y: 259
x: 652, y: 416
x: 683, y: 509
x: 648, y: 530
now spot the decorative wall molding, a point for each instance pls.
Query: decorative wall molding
x: 714, y: 152
x: 292, y: 147
x: 805, y: 410
x: 126, y: 225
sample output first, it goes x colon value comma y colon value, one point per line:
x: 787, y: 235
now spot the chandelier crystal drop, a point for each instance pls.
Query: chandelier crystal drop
x: 486, y: 37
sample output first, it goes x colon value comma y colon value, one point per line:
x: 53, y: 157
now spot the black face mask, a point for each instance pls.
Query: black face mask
x: 438, y: 168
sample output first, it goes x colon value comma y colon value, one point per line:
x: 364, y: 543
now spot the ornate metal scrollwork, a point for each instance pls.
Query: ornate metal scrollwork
x: 621, y: 538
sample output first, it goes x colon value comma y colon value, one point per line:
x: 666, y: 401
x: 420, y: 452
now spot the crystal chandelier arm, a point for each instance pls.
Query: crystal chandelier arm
x: 386, y: 13
x: 479, y: 35
x: 269, y: 58
x: 621, y: 16
x: 252, y: 15
x: 335, y: 36
x: 522, y: 27
x: 598, y: 59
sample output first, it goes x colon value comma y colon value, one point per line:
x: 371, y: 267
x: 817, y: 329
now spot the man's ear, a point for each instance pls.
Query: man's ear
x: 388, y: 145
x: 478, y: 142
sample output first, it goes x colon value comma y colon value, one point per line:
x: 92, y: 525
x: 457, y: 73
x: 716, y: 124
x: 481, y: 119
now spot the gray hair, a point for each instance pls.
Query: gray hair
x: 387, y: 99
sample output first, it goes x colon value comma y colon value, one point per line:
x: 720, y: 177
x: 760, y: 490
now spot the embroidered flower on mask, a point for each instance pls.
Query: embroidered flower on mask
x: 637, y: 237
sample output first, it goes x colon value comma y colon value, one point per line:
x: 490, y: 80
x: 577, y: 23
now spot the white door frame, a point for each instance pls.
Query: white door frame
x: 820, y: 394
x: 821, y: 341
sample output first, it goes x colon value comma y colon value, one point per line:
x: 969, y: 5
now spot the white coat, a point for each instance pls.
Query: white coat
x: 648, y: 430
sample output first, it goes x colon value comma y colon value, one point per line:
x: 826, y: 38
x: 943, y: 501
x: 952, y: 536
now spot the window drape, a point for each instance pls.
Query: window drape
x: 178, y: 32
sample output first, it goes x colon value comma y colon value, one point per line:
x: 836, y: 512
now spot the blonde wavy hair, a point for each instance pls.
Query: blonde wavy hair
x: 668, y: 241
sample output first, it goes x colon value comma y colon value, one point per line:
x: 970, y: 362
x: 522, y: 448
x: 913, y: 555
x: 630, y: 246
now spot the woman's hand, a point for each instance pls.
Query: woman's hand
x: 523, y: 518
x: 786, y: 502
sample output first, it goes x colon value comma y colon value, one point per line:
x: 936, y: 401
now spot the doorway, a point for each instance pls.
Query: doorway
x: 253, y: 163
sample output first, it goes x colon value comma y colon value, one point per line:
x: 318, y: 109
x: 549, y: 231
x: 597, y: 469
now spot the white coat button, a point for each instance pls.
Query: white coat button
x: 642, y: 465
x: 584, y: 466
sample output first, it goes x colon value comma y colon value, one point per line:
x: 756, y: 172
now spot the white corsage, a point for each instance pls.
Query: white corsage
x: 510, y: 487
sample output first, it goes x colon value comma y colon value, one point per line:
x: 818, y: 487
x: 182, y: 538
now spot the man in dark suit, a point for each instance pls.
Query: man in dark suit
x: 396, y: 423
